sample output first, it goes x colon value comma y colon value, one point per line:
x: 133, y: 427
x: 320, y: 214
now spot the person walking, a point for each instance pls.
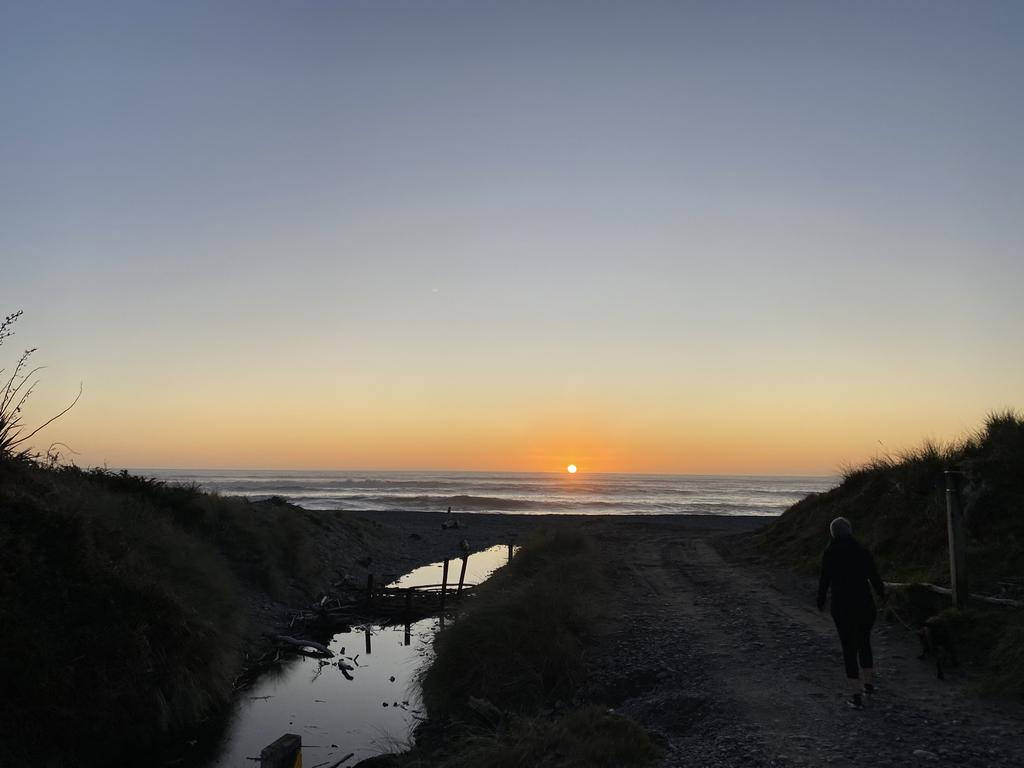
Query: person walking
x: 849, y: 568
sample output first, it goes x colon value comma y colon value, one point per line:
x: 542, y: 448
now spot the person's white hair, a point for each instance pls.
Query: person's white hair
x: 840, y: 527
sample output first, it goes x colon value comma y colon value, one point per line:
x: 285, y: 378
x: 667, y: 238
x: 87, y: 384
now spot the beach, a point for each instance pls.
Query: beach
x: 724, y: 657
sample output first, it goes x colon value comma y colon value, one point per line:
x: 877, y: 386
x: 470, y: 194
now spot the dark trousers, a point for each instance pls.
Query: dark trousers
x: 855, y: 636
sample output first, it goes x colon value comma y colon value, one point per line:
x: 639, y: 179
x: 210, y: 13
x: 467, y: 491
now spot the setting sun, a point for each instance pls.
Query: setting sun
x: 571, y: 469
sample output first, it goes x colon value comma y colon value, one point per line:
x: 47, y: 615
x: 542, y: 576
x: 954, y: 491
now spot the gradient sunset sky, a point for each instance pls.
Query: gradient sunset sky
x: 712, y: 237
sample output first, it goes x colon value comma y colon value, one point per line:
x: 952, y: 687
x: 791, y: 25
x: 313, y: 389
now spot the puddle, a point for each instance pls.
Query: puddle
x: 368, y: 707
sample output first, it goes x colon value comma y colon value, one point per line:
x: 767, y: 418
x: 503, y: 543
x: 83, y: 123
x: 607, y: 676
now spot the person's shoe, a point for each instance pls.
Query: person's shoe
x: 855, y: 702
x: 869, y: 689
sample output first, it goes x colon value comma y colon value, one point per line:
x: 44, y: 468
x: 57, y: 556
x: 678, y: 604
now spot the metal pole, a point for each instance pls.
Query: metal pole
x: 957, y: 540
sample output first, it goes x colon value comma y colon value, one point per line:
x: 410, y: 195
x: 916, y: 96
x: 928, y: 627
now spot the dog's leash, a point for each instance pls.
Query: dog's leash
x: 899, y: 618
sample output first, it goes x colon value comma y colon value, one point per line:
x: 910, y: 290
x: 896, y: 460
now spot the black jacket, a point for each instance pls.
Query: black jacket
x: 848, y: 568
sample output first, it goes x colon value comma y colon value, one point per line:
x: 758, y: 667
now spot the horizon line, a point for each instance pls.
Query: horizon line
x: 478, y: 471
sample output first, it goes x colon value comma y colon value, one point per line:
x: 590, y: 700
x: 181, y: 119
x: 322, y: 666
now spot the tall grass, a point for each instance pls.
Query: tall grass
x: 120, y: 608
x: 520, y: 641
x: 897, y: 504
x: 514, y: 658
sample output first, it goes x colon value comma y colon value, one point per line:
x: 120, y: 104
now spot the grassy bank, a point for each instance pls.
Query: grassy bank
x: 897, y: 505
x: 501, y: 690
x: 121, y: 607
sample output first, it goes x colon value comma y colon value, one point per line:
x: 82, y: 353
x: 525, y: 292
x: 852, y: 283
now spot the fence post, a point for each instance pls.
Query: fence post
x: 444, y: 583
x: 462, y: 577
x: 286, y: 752
x: 957, y: 540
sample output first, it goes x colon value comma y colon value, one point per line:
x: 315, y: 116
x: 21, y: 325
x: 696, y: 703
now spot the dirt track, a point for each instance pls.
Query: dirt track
x: 730, y: 662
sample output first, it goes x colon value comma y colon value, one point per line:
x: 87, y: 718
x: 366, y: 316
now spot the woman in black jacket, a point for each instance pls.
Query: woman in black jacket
x: 848, y: 568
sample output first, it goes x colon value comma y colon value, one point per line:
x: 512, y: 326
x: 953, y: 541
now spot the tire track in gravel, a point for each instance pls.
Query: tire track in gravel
x: 729, y: 668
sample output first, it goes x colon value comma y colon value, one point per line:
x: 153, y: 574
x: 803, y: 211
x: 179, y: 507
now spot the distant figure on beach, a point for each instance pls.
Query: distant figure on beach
x: 848, y: 568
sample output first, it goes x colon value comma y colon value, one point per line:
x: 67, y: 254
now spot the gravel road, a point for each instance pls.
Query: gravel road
x: 729, y: 663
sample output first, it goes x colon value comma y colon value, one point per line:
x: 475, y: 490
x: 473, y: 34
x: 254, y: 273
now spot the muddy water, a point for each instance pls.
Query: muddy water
x: 367, y: 705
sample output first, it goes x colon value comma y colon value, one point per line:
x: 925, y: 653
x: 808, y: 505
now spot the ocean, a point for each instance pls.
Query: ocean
x: 510, y: 492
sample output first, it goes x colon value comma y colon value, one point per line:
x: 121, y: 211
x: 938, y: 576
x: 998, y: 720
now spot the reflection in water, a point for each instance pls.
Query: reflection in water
x: 365, y: 700
x: 480, y: 565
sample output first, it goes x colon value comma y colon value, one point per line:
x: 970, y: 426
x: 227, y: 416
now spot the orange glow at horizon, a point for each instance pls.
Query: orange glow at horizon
x: 220, y: 431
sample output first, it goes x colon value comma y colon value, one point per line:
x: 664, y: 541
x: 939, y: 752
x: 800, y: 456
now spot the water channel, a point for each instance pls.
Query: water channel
x: 363, y: 701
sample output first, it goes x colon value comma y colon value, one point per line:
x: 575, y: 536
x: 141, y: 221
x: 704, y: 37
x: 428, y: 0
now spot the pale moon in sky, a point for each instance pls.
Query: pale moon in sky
x: 571, y: 469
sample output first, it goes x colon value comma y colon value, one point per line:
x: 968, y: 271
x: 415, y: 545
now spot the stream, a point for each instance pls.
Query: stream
x: 362, y: 702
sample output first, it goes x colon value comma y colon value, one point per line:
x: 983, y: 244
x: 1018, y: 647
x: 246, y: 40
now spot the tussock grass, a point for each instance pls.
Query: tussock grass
x: 520, y: 640
x: 897, y: 505
x: 514, y: 659
x: 120, y: 616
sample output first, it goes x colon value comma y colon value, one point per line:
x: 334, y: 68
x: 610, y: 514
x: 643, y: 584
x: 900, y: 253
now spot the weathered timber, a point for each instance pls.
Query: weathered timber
x: 444, y: 583
x: 286, y: 752
x: 462, y: 577
x: 957, y: 540
x: 297, y: 643
x: 1003, y: 601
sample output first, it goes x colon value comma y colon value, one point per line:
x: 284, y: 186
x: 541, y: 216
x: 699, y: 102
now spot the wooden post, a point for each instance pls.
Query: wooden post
x: 369, y: 589
x: 408, y: 616
x: 462, y: 577
x: 286, y: 752
x: 510, y: 553
x: 957, y: 540
x: 444, y: 583
x: 367, y: 631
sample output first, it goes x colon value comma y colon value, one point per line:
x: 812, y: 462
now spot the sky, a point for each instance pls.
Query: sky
x: 753, y: 238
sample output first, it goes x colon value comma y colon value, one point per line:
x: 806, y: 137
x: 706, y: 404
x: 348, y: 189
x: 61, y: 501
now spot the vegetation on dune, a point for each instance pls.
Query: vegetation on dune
x: 520, y: 642
x: 897, y: 505
x: 121, y: 607
x: 499, y: 690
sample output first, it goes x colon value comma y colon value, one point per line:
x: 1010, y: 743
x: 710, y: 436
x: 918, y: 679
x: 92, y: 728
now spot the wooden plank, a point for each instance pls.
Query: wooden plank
x: 1003, y: 601
x: 285, y: 752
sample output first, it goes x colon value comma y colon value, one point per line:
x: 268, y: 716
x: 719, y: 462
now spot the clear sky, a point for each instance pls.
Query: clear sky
x: 638, y: 236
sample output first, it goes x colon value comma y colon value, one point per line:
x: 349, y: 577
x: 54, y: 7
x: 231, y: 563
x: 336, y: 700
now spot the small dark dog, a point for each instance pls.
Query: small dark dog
x: 937, y: 640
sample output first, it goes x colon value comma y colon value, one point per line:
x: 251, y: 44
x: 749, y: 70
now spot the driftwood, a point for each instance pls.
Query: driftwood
x: 1003, y: 601
x: 321, y: 649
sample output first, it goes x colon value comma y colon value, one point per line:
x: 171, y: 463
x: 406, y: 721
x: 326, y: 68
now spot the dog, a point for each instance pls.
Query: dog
x: 937, y: 641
